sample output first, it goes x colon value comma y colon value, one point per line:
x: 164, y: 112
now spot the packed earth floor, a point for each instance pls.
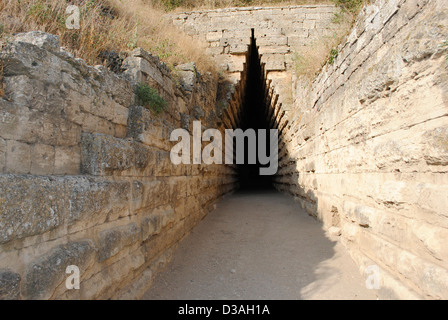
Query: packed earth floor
x: 260, y: 245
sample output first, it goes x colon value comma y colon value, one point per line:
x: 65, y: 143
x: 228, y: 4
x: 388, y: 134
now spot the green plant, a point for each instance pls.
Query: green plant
x: 352, y: 6
x: 172, y: 4
x: 133, y: 42
x: 338, y: 18
x: 150, y: 98
x: 333, y: 55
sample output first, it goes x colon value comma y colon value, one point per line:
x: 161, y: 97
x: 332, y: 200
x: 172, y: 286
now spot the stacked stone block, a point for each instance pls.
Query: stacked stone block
x: 365, y: 149
x: 86, y: 177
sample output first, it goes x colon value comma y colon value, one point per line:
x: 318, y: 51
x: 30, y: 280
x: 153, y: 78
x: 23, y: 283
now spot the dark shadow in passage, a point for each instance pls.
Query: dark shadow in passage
x: 253, y: 117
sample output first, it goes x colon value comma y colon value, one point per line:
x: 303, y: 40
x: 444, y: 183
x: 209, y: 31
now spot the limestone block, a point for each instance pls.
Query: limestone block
x: 242, y: 33
x: 149, y: 194
x: 151, y: 226
x: 238, y: 49
x: 436, y: 146
x: 28, y: 60
x: 120, y: 114
x: 274, y: 62
x: 46, y: 272
x: 110, y: 242
x: 40, y: 39
x: 225, y: 42
x: 93, y: 123
x: 42, y: 159
x: 2, y: 155
x: 313, y: 16
x: 18, y: 157
x: 188, y: 75
x: 272, y: 41
x: 213, y: 36
x: 144, y: 128
x: 298, y: 13
x: 15, y: 122
x: 236, y: 63
x: 103, y: 154
x: 91, y: 200
x: 141, y: 70
x: 29, y: 206
x: 9, y: 285
x: 274, y: 49
x: 67, y: 160
x: 309, y: 24
x: 158, y: 219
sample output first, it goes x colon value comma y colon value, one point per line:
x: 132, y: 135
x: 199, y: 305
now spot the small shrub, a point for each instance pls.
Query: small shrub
x: 352, y: 6
x: 150, y: 98
x: 333, y: 55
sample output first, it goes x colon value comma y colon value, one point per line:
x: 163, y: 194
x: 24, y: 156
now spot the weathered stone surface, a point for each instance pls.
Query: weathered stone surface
x: 277, y: 30
x: 436, y: 146
x: 42, y: 159
x: 147, y: 129
x: 368, y: 137
x: 61, y: 118
x: 103, y: 154
x: 149, y: 194
x: 34, y: 205
x: 9, y: 285
x: 48, y: 271
x: 18, y: 157
x: 112, y: 241
x: 67, y: 160
x: 2, y: 155
x: 188, y: 76
x: 29, y: 206
x: 89, y: 198
x: 40, y: 39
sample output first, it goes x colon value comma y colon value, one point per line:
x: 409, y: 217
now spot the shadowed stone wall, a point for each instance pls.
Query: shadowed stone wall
x: 85, y: 172
x: 366, y: 150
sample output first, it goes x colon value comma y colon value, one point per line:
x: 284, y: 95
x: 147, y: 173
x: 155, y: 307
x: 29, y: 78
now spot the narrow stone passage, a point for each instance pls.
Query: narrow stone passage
x: 259, y: 245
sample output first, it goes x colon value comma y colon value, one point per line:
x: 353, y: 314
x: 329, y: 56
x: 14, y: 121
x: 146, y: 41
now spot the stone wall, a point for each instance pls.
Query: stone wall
x: 279, y: 32
x: 85, y: 173
x: 366, y: 146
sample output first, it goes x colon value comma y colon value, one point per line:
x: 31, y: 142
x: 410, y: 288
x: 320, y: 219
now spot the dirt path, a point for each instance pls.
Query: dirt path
x: 259, y: 245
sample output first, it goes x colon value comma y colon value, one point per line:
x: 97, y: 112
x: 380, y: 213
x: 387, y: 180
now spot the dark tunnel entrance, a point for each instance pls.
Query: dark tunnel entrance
x: 253, y: 116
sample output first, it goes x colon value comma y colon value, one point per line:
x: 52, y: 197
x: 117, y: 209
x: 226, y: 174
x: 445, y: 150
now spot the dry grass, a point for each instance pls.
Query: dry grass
x: 310, y: 60
x: 122, y: 25
x: 157, y: 34
x: 105, y: 25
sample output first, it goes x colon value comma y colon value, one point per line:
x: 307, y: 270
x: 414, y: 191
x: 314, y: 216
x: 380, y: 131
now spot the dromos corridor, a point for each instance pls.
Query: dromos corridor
x: 259, y: 243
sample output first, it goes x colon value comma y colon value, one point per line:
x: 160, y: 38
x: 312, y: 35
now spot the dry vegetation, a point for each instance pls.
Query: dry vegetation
x: 122, y: 25
x: 310, y: 60
x: 106, y: 25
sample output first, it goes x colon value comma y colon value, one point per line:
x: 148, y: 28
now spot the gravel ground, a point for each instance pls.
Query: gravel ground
x: 259, y: 245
